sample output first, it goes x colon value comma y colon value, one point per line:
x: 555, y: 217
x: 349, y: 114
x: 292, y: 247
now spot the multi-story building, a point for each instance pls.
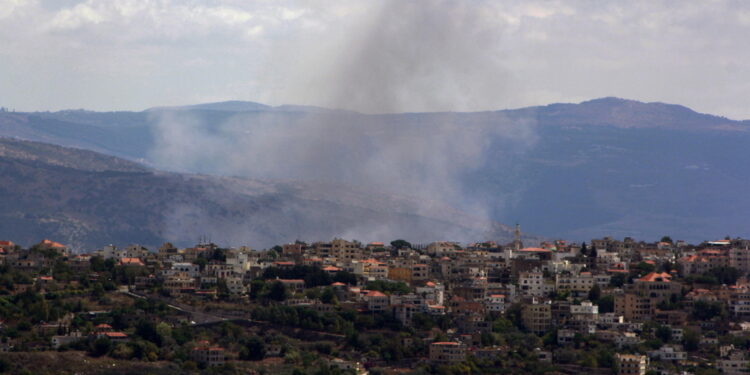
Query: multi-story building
x: 446, y: 352
x: 735, y: 363
x: 657, y: 286
x: 578, y: 284
x: 668, y: 353
x: 537, y: 316
x: 531, y: 283
x: 376, y: 301
x: 739, y: 258
x: 420, y: 272
x: 210, y: 356
x: 631, y: 364
x: 634, y: 307
x: 496, y: 303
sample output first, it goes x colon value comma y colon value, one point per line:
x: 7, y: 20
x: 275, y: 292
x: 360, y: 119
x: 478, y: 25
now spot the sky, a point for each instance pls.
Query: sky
x: 473, y: 54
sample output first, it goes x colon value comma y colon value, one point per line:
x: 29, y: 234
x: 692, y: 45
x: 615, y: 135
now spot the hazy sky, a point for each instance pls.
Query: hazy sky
x: 134, y: 54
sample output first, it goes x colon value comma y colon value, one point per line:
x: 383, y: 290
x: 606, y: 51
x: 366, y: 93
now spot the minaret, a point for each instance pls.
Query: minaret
x: 517, y: 241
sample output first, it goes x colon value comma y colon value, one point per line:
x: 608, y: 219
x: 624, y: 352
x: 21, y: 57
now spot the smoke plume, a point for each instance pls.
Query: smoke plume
x: 402, y: 56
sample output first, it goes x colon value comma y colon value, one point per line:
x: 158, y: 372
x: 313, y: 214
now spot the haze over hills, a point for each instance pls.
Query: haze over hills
x: 603, y: 167
x: 88, y: 200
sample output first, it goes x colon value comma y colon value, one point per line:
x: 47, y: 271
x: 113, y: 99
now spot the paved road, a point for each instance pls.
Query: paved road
x: 197, y: 316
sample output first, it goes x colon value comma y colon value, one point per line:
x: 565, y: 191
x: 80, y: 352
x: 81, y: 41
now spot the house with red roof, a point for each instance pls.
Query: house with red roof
x: 52, y: 245
x: 131, y: 262
x: 208, y: 355
x: 7, y: 246
x: 376, y: 301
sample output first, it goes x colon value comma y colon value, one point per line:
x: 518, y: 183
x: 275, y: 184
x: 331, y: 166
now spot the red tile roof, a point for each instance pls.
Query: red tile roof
x: 536, y: 249
x: 131, y: 262
x: 48, y: 243
x: 656, y: 276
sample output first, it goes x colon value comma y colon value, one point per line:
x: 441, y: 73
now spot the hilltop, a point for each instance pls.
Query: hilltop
x: 87, y: 200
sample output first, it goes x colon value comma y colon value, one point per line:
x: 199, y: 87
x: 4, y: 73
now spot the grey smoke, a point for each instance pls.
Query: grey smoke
x: 405, y: 56
x: 402, y: 56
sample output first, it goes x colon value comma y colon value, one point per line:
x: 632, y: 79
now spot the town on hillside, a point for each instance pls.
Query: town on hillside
x: 343, y: 307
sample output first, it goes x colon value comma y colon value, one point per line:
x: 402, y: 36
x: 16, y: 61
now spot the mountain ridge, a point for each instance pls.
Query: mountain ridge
x: 88, y: 200
x: 625, y: 167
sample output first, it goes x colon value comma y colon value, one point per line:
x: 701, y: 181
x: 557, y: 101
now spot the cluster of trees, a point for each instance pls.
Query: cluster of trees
x: 717, y: 276
x: 263, y: 291
x: 302, y: 317
x: 388, y: 286
x: 313, y: 276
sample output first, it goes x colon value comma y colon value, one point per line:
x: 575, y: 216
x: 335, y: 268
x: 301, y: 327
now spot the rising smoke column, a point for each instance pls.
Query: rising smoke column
x: 398, y: 56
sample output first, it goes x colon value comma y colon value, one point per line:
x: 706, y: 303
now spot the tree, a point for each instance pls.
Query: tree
x: 146, y: 329
x: 388, y: 287
x: 725, y: 275
x: 666, y: 239
x: 595, y: 293
x: 703, y: 310
x: 100, y: 347
x: 201, y: 262
x: 401, y: 244
x: 645, y: 268
x: 691, y: 340
x: 618, y: 280
x: 97, y: 264
x: 345, y: 277
x: 254, y: 349
x: 664, y: 333
x: 122, y: 351
x: 278, y: 291
x: 328, y: 296
x: 98, y: 290
x: 606, y: 304
x: 258, y: 289
x: 515, y: 314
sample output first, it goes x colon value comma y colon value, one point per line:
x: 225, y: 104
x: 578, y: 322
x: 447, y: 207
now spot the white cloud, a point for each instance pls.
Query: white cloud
x: 142, y: 52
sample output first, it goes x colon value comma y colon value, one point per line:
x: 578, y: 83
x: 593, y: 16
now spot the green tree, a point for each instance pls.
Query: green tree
x: 254, y: 349
x: 595, y: 293
x: 725, y: 275
x: 691, y: 340
x: 401, y: 244
x: 703, y: 310
x: 328, y: 296
x: 100, y: 347
x: 664, y: 333
x: 606, y: 304
x: 645, y: 268
x: 201, y: 262
x: 97, y: 264
x: 258, y: 289
x: 278, y: 291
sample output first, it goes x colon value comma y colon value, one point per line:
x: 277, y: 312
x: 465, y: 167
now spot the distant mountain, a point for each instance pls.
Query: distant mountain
x: 230, y: 106
x: 244, y: 106
x: 87, y: 200
x: 607, y: 166
x: 631, y: 114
